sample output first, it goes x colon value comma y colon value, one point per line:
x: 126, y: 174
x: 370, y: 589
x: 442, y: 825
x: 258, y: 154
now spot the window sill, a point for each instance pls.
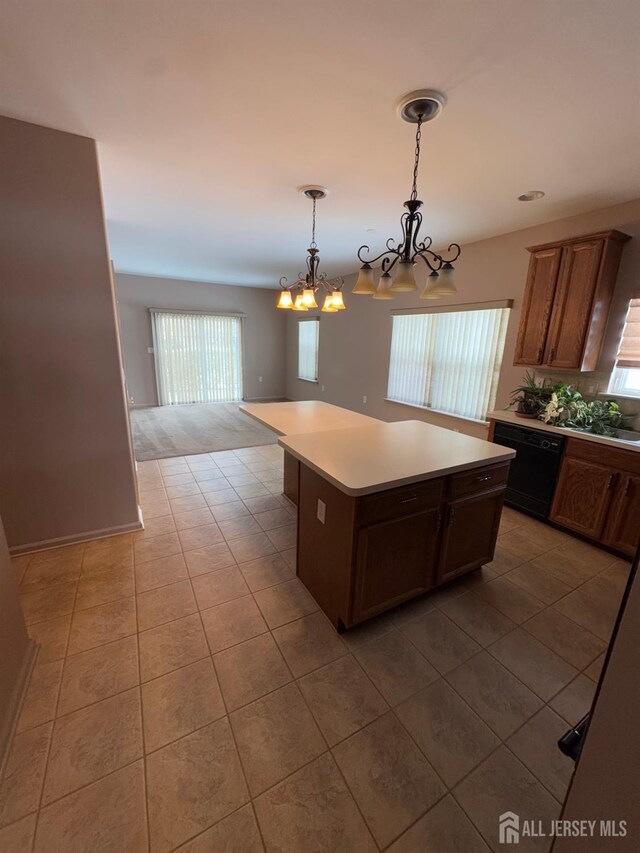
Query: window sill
x: 438, y: 412
x: 616, y: 394
x: 302, y: 379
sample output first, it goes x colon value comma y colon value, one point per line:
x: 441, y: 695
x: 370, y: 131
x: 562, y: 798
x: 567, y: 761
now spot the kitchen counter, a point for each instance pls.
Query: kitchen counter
x: 510, y: 417
x: 367, y: 459
x: 304, y: 416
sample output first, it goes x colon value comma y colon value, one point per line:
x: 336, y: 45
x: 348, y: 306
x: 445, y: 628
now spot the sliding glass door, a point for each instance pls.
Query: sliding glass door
x: 198, y: 357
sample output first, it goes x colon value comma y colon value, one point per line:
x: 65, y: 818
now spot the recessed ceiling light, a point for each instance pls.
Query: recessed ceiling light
x: 532, y: 195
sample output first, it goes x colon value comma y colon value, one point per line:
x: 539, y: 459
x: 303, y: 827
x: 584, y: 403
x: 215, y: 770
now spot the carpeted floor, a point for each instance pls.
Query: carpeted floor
x: 163, y: 431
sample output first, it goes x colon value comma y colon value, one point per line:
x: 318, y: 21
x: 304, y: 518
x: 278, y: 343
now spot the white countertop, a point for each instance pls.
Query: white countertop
x: 305, y: 416
x: 509, y: 417
x: 367, y: 459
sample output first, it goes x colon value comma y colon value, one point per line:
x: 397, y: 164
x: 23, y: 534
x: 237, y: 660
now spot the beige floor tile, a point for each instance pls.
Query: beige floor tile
x: 68, y: 555
x: 395, y: 666
x: 178, y: 479
x: 444, y: 829
x: 156, y: 547
x: 406, y: 613
x: 225, y: 512
x: 285, y: 602
x: 440, y: 640
x: 504, y: 560
x: 160, y: 572
x: 536, y: 745
x: 192, y: 784
x: 367, y: 631
x: 93, y: 742
x: 527, y: 542
x: 104, y: 586
x: 237, y: 833
x: 39, y: 703
x: 497, y: 697
x: 313, y: 811
x: 179, y: 703
x: 478, y: 618
x: 52, y: 637
x: 159, y: 526
x: 200, y: 537
x: 390, y: 779
x: 575, y: 700
x: 510, y: 599
x: 501, y: 784
x: 342, y: 699
x: 221, y: 496
x: 573, y: 643
x: 157, y: 506
x: 251, y: 547
x: 18, y: 837
x: 250, y: 670
x: 218, y: 587
x: 104, y: 624
x: 209, y: 559
x: 187, y: 520
x: 98, y: 673
x: 253, y: 490
x: 533, y: 663
x: 187, y: 503
x: 20, y: 564
x: 164, y: 604
x: 108, y: 815
x: 208, y: 475
x: 452, y: 736
x: 511, y: 519
x: 588, y: 607
x: 24, y: 774
x: 171, y: 646
x: 42, y: 603
x: 182, y: 490
x: 267, y: 571
x: 239, y: 527
x: 275, y: 735
x: 594, y: 669
x: 112, y: 553
x: 574, y: 562
x: 271, y: 519
x: 262, y: 503
x: 242, y: 479
x: 539, y: 582
x: 309, y: 643
x: 49, y: 574
x: 283, y: 537
x: 232, y: 622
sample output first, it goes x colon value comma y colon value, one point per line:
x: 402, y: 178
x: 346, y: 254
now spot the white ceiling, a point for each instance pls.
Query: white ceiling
x: 209, y: 114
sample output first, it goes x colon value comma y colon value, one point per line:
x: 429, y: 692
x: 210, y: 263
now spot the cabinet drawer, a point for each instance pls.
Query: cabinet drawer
x: 477, y: 480
x: 397, y: 502
x: 603, y: 454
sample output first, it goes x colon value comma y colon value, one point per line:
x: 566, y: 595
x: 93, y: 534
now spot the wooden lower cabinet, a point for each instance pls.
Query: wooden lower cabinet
x: 375, y: 552
x: 470, y: 531
x: 598, y: 494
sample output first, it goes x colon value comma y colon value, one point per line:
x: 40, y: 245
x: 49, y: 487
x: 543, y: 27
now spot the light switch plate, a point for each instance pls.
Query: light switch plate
x: 322, y: 511
x: 150, y: 350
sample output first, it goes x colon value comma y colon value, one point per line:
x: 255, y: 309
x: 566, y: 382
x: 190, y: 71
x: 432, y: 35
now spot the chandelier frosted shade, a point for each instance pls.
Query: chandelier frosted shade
x: 309, y: 298
x: 404, y: 280
x: 328, y: 306
x: 383, y: 291
x: 366, y: 284
x: 439, y: 284
x: 285, y: 300
x: 337, y: 300
x: 298, y: 304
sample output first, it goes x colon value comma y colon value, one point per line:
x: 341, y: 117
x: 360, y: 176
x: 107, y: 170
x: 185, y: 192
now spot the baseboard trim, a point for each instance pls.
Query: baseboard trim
x: 10, y: 720
x: 264, y: 400
x: 74, y: 538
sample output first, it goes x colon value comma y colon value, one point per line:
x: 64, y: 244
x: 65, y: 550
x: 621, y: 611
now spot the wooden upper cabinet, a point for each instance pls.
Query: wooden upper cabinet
x: 567, y: 300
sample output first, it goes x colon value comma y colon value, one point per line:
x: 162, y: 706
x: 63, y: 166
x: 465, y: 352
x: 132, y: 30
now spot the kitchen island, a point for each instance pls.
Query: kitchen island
x: 387, y: 512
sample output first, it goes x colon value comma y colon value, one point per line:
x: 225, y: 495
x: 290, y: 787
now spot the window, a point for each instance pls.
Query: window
x: 198, y: 357
x: 308, y: 349
x: 625, y: 379
x: 448, y: 360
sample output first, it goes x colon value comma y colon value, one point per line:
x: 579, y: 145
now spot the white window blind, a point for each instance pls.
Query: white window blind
x: 198, y: 357
x: 625, y: 379
x: 448, y: 360
x: 308, y: 349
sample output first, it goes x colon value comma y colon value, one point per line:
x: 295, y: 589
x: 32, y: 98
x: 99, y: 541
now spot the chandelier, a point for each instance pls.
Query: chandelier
x: 416, y: 108
x: 301, y: 295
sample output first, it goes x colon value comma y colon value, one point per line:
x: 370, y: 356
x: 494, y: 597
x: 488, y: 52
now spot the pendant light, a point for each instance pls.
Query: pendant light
x: 384, y: 289
x: 301, y: 296
x: 416, y: 108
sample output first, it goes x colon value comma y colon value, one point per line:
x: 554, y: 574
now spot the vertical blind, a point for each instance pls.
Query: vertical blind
x: 629, y: 351
x: 308, y: 349
x: 198, y: 357
x: 448, y: 361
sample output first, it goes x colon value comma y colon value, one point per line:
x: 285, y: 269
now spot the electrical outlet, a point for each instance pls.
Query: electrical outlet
x: 259, y: 378
x: 364, y: 399
x: 322, y: 388
x: 150, y: 350
x: 322, y: 511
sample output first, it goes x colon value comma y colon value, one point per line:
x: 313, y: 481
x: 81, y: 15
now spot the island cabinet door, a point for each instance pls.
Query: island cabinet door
x: 583, y: 496
x: 469, y: 533
x: 395, y: 561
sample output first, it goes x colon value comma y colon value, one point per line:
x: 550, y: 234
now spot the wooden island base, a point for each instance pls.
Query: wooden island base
x: 379, y: 550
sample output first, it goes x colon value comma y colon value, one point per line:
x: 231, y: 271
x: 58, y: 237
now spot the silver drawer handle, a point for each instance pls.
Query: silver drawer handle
x: 408, y: 500
x: 483, y: 479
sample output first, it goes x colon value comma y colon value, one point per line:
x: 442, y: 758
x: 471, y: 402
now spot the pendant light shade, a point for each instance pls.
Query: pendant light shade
x: 337, y: 300
x: 384, y: 285
x: 309, y: 298
x: 365, y: 285
x: 285, y: 300
x: 298, y: 304
x: 439, y: 284
x: 328, y: 304
x: 433, y: 279
x: 405, y: 280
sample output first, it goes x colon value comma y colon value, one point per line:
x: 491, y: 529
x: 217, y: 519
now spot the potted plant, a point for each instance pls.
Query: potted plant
x: 531, y: 397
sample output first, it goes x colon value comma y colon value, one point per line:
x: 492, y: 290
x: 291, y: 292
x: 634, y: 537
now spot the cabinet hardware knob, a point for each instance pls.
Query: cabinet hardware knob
x: 483, y: 479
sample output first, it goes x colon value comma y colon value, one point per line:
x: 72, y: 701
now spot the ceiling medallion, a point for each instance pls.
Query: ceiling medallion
x: 416, y: 108
x: 301, y: 295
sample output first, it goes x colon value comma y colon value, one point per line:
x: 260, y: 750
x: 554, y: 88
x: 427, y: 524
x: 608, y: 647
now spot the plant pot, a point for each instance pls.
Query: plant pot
x: 524, y: 415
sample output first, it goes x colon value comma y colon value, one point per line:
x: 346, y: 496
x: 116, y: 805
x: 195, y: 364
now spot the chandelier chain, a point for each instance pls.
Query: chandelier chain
x: 414, y: 188
x: 313, y: 226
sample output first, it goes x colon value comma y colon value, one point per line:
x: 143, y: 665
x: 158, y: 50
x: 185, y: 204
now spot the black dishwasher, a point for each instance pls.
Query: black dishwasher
x: 533, y: 473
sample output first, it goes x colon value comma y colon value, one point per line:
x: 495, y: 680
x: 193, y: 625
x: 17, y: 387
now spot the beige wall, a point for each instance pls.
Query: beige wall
x: 66, y: 465
x: 354, y: 344
x: 264, y: 330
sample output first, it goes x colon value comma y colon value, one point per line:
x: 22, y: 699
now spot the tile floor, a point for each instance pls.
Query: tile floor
x: 188, y: 694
